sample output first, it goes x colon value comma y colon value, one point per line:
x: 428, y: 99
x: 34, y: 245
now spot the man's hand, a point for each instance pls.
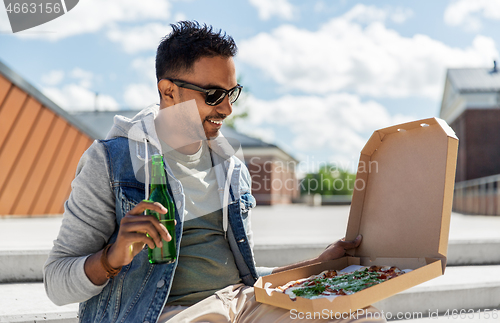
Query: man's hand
x: 132, y: 234
x: 337, y: 249
x: 130, y: 240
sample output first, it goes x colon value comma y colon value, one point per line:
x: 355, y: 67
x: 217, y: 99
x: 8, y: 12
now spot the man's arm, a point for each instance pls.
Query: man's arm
x: 334, y: 251
x: 88, y: 222
x: 73, y: 272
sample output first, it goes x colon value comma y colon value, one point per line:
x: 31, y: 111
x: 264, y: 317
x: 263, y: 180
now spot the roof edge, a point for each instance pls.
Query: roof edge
x: 20, y: 82
x: 272, y: 147
x: 478, y: 90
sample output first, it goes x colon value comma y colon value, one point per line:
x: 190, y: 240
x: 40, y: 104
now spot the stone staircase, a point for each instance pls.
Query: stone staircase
x: 471, y: 282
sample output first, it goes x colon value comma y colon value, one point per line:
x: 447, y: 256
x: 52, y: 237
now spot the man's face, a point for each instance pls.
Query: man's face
x: 210, y: 72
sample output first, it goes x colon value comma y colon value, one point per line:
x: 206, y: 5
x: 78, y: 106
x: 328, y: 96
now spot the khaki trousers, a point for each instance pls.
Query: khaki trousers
x: 236, y: 303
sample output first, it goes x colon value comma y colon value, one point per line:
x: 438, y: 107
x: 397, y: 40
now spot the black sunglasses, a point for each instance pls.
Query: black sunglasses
x: 212, y: 96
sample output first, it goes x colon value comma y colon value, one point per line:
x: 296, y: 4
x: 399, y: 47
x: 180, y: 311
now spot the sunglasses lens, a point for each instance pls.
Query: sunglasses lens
x: 215, y: 97
x: 234, y: 94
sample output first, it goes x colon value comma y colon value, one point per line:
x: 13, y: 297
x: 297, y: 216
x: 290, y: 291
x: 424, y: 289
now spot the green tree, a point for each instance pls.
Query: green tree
x: 329, y: 180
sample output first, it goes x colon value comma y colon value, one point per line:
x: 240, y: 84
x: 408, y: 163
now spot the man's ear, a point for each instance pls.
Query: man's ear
x: 167, y: 89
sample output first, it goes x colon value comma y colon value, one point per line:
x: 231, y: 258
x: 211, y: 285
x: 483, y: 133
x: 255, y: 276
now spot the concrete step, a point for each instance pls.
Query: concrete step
x: 22, y: 265
x: 474, y: 252
x: 26, y: 265
x: 27, y: 302
x: 461, y: 288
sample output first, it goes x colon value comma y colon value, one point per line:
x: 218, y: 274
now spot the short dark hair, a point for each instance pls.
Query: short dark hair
x: 188, y: 42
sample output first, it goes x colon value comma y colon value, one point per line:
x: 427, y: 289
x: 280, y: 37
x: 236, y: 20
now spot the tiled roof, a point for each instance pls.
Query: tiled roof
x: 101, y: 121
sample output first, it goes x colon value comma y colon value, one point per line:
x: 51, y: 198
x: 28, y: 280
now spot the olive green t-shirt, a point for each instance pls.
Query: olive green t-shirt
x: 206, y: 263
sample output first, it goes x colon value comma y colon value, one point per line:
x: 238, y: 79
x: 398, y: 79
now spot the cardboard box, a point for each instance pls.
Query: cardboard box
x: 401, y: 205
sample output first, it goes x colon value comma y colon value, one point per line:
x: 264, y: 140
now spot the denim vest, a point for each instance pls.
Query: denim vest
x: 139, y: 292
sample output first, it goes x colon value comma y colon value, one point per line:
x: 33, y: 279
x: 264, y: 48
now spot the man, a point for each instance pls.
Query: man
x: 99, y: 257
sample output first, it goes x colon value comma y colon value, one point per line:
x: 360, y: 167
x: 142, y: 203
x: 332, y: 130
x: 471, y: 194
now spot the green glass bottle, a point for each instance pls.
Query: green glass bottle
x: 159, y: 193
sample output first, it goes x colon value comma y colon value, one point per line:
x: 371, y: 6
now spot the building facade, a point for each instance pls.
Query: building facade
x: 471, y: 106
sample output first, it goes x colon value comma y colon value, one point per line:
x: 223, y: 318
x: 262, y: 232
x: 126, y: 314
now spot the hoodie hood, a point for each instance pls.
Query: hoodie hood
x: 140, y: 127
x: 139, y: 130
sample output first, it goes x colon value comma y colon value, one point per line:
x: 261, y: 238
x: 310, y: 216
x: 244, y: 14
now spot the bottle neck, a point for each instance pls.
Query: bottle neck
x: 158, y: 172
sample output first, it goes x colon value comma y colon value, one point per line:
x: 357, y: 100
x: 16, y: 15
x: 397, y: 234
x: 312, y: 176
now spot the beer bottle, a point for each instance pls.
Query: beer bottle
x: 159, y: 193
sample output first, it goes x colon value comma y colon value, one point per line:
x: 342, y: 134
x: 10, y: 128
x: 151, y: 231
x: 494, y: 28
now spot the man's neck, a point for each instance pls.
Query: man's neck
x: 176, y: 138
x: 190, y: 149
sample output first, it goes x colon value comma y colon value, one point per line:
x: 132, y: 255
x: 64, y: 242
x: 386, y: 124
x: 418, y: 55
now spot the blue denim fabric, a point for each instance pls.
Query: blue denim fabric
x: 139, y: 292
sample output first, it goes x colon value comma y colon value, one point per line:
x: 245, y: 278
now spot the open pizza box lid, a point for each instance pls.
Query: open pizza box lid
x: 404, y: 192
x: 401, y: 206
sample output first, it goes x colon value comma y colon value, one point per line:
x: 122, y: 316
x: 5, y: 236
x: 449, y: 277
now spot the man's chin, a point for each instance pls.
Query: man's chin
x: 212, y: 134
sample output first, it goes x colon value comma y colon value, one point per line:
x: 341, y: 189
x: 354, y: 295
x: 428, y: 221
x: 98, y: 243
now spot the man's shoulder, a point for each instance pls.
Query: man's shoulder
x: 118, y: 154
x: 115, y: 146
x: 114, y: 141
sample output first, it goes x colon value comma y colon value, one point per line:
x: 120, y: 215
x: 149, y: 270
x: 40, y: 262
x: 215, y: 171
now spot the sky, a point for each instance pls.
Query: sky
x: 319, y: 76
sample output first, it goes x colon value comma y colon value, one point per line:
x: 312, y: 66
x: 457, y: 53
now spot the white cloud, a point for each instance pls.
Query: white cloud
x: 344, y: 55
x: 79, y: 73
x: 368, y: 14
x: 400, y: 15
x: 267, y: 134
x: 141, y: 38
x: 279, y: 8
x: 77, y: 95
x: 145, y: 66
x: 53, y: 77
x: 91, y: 16
x: 74, y: 97
x: 85, y: 77
x: 468, y: 13
x: 338, y: 123
x: 180, y: 16
x: 365, y: 14
x: 139, y: 96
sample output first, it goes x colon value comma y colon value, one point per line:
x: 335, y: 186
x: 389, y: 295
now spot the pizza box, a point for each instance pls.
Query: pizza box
x: 401, y: 205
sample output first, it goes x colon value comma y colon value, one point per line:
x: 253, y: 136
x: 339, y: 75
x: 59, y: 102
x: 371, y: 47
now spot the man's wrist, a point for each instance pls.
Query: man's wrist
x: 111, y: 257
x: 110, y: 268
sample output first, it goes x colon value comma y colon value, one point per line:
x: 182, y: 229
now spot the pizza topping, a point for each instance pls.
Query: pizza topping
x: 334, y: 283
x: 330, y: 274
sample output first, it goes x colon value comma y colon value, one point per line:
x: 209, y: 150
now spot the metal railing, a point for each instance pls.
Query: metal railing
x: 478, y: 196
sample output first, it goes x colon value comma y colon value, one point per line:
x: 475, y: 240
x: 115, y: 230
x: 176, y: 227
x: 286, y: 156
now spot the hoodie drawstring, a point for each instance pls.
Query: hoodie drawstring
x: 146, y: 171
x: 225, y: 206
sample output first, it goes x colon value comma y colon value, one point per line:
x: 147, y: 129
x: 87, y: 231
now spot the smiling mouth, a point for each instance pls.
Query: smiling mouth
x: 216, y: 122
